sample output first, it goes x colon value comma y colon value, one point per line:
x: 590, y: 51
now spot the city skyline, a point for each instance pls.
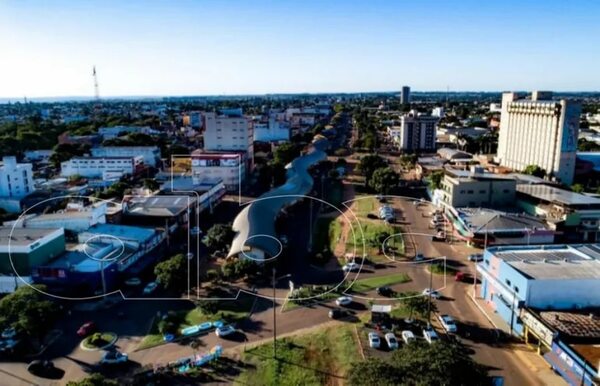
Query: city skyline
x: 238, y: 48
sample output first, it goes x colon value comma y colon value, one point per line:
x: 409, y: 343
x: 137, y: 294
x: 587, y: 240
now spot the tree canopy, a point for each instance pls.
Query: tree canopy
x: 535, y: 170
x: 218, y: 236
x: 369, y: 163
x: 28, y: 311
x: 384, y: 180
x: 172, y: 274
x: 286, y: 152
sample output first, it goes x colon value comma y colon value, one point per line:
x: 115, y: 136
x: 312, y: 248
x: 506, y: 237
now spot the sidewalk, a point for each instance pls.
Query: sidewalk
x: 534, y: 362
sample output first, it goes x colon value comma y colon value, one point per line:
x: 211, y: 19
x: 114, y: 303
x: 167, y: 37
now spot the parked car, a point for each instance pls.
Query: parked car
x: 475, y: 257
x: 133, y: 282
x: 9, y: 333
x: 337, y: 313
x: 448, y: 323
x: 408, y: 336
x: 433, y: 293
x: 350, y: 267
x: 150, y: 287
x: 439, y: 236
x: 224, y: 330
x: 391, y: 341
x: 343, y: 301
x: 385, y: 291
x: 419, y: 257
x: 196, y: 231
x: 113, y: 358
x: 374, y: 341
x: 430, y: 335
x: 42, y: 368
x: 86, y: 329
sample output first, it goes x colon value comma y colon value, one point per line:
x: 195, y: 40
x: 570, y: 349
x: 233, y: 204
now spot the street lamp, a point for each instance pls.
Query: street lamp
x: 275, y: 280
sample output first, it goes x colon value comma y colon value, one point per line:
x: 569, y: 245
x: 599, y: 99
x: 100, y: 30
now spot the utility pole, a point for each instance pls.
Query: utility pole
x: 430, y: 293
x: 274, y: 317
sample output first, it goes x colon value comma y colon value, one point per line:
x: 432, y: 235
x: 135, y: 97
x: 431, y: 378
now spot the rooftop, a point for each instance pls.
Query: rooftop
x: 574, y: 324
x: 481, y: 220
x: 159, y: 206
x: 556, y: 195
x: 125, y: 232
x: 553, y: 261
x: 24, y: 236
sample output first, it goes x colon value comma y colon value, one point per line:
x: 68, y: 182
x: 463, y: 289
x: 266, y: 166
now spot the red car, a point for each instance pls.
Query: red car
x: 86, y: 329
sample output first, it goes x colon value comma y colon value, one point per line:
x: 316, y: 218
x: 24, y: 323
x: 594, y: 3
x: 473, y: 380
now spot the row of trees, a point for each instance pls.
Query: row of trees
x: 378, y: 175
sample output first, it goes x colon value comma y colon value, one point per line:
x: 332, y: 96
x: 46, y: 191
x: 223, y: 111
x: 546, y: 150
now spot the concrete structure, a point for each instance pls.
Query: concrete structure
x: 116, y: 131
x: 539, y: 132
x: 416, y: 132
x: 405, y: 95
x: 438, y: 112
x: 28, y: 248
x: 170, y: 212
x: 552, y: 277
x: 270, y: 130
x: 231, y: 168
x: 149, y: 154
x: 42, y: 156
x: 477, y: 188
x: 575, y: 217
x: 106, y: 168
x: 484, y: 227
x: 227, y: 132
x: 16, y: 180
x: 75, y: 218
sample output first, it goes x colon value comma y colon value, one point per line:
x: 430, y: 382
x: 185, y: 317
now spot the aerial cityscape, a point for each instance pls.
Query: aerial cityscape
x: 299, y: 193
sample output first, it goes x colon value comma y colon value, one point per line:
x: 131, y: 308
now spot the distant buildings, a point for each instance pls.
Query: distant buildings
x: 117, y: 131
x: 539, y: 132
x: 227, y: 132
x: 271, y: 130
x: 231, y: 168
x: 416, y: 132
x: 438, y: 112
x: 405, y: 95
x: 150, y: 154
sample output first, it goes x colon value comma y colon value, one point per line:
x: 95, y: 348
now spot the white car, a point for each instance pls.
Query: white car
x: 113, y: 357
x: 408, y: 336
x: 374, y: 341
x: 150, y: 287
x: 448, y: 323
x: 433, y: 293
x: 391, y: 340
x: 430, y: 335
x: 343, y: 300
x: 224, y: 330
x: 350, y: 267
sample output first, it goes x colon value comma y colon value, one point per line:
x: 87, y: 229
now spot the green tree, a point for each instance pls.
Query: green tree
x: 219, y: 236
x: 172, y: 274
x: 535, y: 170
x: 369, y: 163
x: 93, y: 380
x: 416, y: 304
x: 286, y: 152
x: 578, y: 188
x: 150, y: 183
x: 384, y: 180
x: 435, y: 179
x: 28, y: 311
x: 373, y: 372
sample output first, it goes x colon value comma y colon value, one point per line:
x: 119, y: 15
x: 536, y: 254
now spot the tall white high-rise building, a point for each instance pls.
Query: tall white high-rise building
x: 229, y: 131
x: 416, y: 132
x: 16, y: 180
x: 539, y: 131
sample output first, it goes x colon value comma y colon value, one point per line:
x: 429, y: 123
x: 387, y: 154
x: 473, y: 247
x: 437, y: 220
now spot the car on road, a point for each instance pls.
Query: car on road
x: 374, y: 341
x: 350, y: 267
x: 9, y: 333
x: 430, y: 335
x: 228, y: 329
x: 150, y: 287
x: 343, y: 301
x: 337, y: 313
x: 475, y: 257
x: 133, y: 282
x: 419, y: 257
x: 385, y: 291
x: 408, y: 336
x: 439, y: 236
x: 391, y: 340
x: 113, y: 358
x: 196, y: 231
x: 41, y: 368
x: 447, y: 322
x: 433, y: 293
x: 86, y: 329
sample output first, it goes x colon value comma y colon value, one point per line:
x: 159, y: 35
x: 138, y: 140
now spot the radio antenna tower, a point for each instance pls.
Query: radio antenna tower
x: 96, y: 92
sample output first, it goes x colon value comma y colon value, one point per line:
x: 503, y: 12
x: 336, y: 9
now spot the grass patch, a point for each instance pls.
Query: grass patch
x: 365, y: 285
x: 441, y: 269
x: 99, y: 339
x: 318, y: 358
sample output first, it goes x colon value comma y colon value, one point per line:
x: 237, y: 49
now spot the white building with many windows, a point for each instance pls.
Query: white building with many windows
x: 227, y: 167
x: 106, y: 168
x: 16, y: 180
x: 539, y: 131
x: 230, y: 132
x: 416, y: 132
x: 150, y: 154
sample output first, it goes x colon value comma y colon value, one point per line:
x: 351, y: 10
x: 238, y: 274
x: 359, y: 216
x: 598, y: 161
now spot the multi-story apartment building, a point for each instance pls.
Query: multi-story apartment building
x: 106, y: 168
x: 539, y: 131
x: 416, y: 132
x: 405, y: 95
x: 270, y: 130
x: 227, y: 132
x: 150, y: 154
x: 16, y: 180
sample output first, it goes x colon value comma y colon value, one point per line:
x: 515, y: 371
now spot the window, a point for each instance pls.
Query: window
x: 482, y: 192
x: 470, y: 192
x: 516, y: 289
x: 507, y: 282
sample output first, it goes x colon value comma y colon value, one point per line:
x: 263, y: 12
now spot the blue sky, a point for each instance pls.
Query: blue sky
x: 183, y: 47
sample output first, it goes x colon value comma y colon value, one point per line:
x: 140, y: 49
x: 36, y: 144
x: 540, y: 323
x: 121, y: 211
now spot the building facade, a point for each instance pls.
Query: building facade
x: 405, y: 95
x: 106, y: 168
x: 27, y: 248
x: 540, y: 132
x: 227, y: 133
x: 150, y: 154
x: 227, y: 167
x: 417, y: 132
x: 16, y: 180
x: 477, y: 189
